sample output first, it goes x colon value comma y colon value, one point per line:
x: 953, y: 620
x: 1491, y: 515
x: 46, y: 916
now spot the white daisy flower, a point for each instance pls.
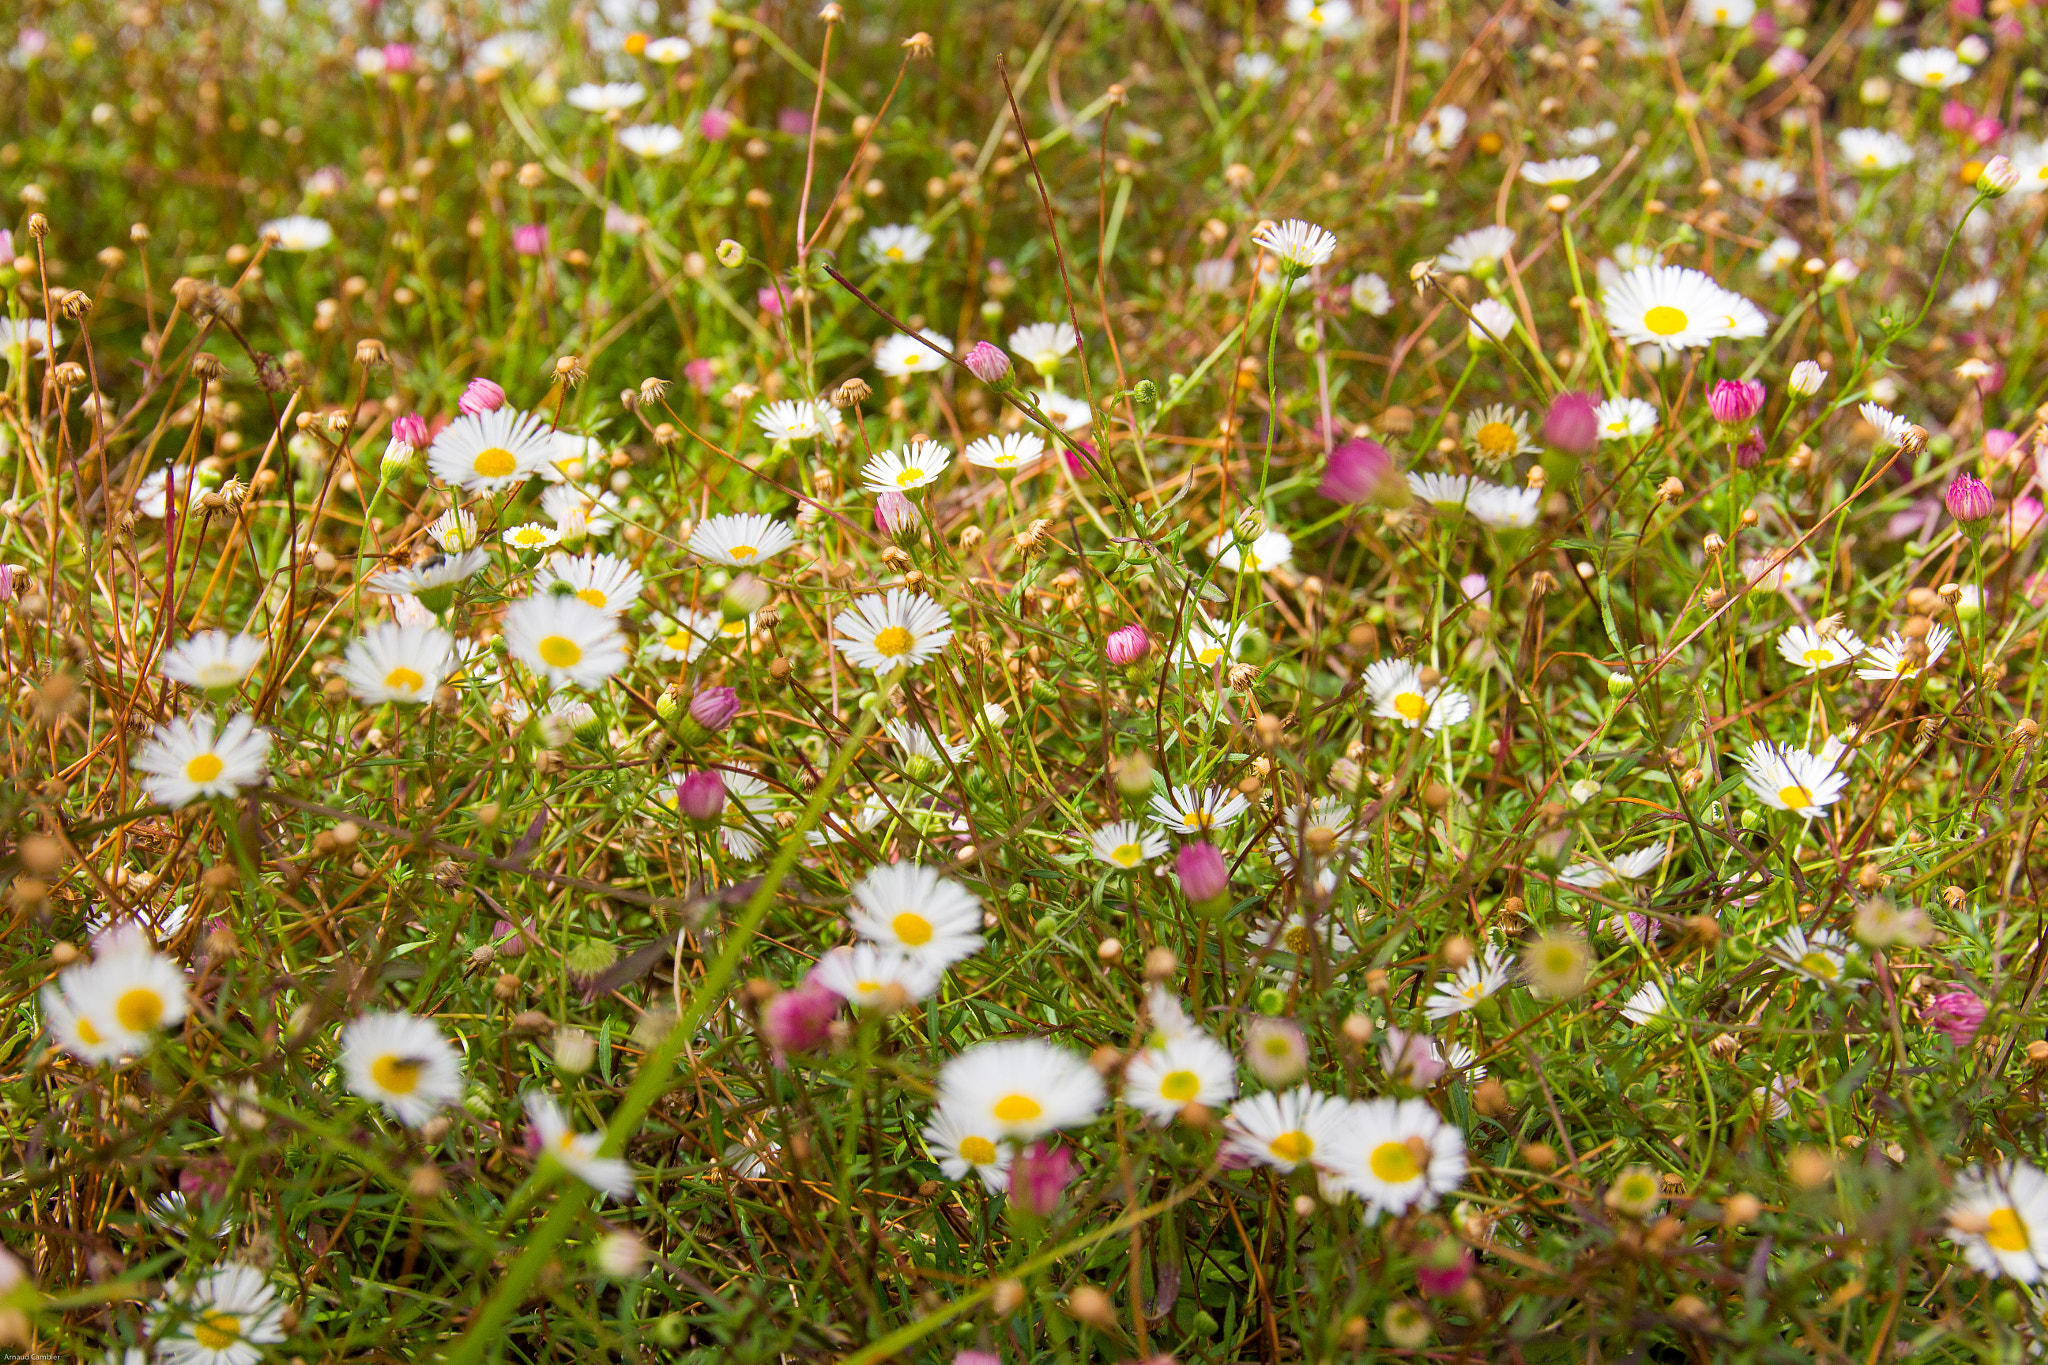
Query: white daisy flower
x: 114, y: 1006
x: 1479, y: 978
x: 1398, y: 1155
x: 187, y: 758
x: 682, y: 639
x: 1208, y: 644
x: 901, y: 629
x: 1320, y: 15
x: 740, y: 539
x: 564, y: 640
x: 502, y: 51
x: 1780, y: 571
x: 606, y: 98
x: 298, y: 232
x: 898, y: 356
x: 573, y: 456
x: 1009, y: 454
x: 2031, y: 164
x: 532, y: 535
x: 1782, y: 254
x: 1441, y: 133
x: 1299, y: 245
x: 454, y: 530
x: 1397, y: 693
x: 1892, y: 429
x: 1504, y: 509
x: 1873, y: 151
x: 1896, y: 658
x: 1314, y: 833
x: 1932, y: 68
x: 914, y: 910
x: 1126, y: 844
x: 1480, y: 251
x: 1973, y: 298
x: 1269, y: 551
x: 961, y: 1146
x: 1254, y: 68
x: 1064, y: 412
x: 1287, y: 1129
x: 1626, y: 867
x: 1623, y: 419
x: 1371, y: 296
x: 1647, y: 1003
x: 1790, y: 779
x: 1043, y: 344
x: 1807, y: 648
x: 1821, y: 956
x: 749, y: 808
x: 1197, y: 810
x: 899, y: 471
x: 398, y: 663
x: 1493, y: 322
x: 577, y: 510
x: 402, y: 1063
x: 1499, y: 432
x: 668, y: 51
x: 603, y: 581
x: 27, y: 336
x: 1673, y: 306
x: 484, y: 452
x: 1188, y: 1068
x: 581, y: 1154
x: 924, y: 754
x: 225, y: 1318
x: 1445, y: 492
x: 212, y: 660
x: 1024, y: 1088
x: 1723, y: 13
x: 896, y: 244
x: 1765, y: 180
x: 795, y: 421
x: 2000, y: 1219
x: 652, y: 140
x: 429, y: 576
x: 1569, y: 170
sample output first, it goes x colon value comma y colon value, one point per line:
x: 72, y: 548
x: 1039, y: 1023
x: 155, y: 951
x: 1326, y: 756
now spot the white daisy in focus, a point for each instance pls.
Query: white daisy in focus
x: 911, y: 908
x: 1299, y: 245
x: 900, y: 630
x: 564, y: 640
x: 212, y: 660
x: 1287, y: 1129
x: 925, y: 755
x: 1478, y: 979
x: 899, y: 471
x: 1896, y: 657
x: 1024, y: 1088
x: 404, y: 664
x: 1188, y: 1068
x: 402, y: 1063
x: 740, y: 539
x: 603, y: 581
x: 1892, y: 429
x: 581, y: 1154
x: 226, y: 1317
x: 1268, y: 551
x: 485, y: 452
x: 1126, y: 844
x: 1008, y: 454
x: 454, y: 530
x: 1499, y: 432
x: 608, y: 97
x: 297, y: 232
x: 1790, y: 779
x: 2000, y: 1220
x: 1821, y: 956
x: 1780, y: 571
x: 1197, y: 810
x: 896, y: 244
x: 1398, y: 1155
x: 960, y: 1146
x: 789, y: 420
x: 1208, y: 644
x: 1674, y: 307
x: 1397, y: 693
x: 430, y: 576
x: 1627, y: 867
x: 1478, y: 252
x: 532, y: 536
x: 187, y: 758
x: 1622, y: 419
x: 1805, y: 647
x: 27, y: 336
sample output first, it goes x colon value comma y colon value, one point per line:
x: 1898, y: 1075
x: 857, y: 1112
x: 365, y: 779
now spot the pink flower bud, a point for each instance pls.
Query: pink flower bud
x: 1957, y: 116
x: 715, y: 123
x: 1956, y: 1014
x: 1573, y: 423
x: 1785, y: 62
x: 530, y: 239
x: 971, y: 1357
x: 1736, y: 402
x: 895, y: 514
x: 1443, y: 1270
x: 481, y: 396
x: 793, y: 122
x: 799, y: 1019
x: 398, y: 56
x: 7, y: 575
x: 1998, y: 443
x: 702, y: 374
x: 1749, y: 451
x: 1127, y: 645
x: 1985, y: 129
x: 1039, y: 1178
x: 1358, y: 471
x: 508, y: 938
x: 988, y: 363
x: 1204, y: 878
x: 1083, y: 457
x: 410, y: 428
x: 770, y: 300
x: 1410, y: 1058
x: 701, y: 796
x: 715, y: 707
x: 1969, y: 11
x: 1968, y: 500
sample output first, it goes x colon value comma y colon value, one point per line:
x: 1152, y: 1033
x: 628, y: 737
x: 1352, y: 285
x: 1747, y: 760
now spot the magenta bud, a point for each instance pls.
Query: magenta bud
x: 1749, y: 451
x: 714, y: 708
x: 973, y: 1357
x: 701, y: 796
x: 1957, y: 116
x: 1998, y: 443
x: 988, y: 363
x: 1985, y: 130
x: 530, y: 239
x: 410, y: 428
x: 715, y: 123
x: 481, y: 396
x: 1039, y: 1178
x: 1204, y: 878
x: 1444, y: 1270
x: 702, y: 374
x: 895, y: 514
x: 799, y: 1019
x: 508, y: 938
x: 1736, y: 402
x: 398, y: 56
x: 1968, y: 500
x: 1083, y: 457
x: 1957, y: 1015
x: 7, y: 575
x: 1359, y: 471
x: 1127, y: 645
x: 1572, y: 424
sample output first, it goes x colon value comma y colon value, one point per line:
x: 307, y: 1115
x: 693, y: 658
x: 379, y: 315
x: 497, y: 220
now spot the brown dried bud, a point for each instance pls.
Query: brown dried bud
x: 853, y: 391
x: 371, y: 354
x: 918, y: 44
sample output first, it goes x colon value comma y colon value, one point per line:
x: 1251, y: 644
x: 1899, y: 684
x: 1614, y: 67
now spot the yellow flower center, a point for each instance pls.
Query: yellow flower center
x: 1181, y: 1086
x: 1820, y: 965
x: 139, y: 1009
x: 2006, y: 1232
x: 977, y: 1151
x: 1411, y: 705
x: 678, y: 641
x: 742, y: 552
x: 1017, y: 1109
x: 1497, y: 439
x: 87, y: 1033
x: 1292, y: 1146
x: 1127, y: 855
x: 911, y: 360
x: 203, y: 767
x: 893, y: 641
x: 528, y: 535
x: 1665, y: 320
x: 910, y: 478
x: 912, y: 928
x: 216, y: 1331
x: 559, y: 651
x: 1298, y: 939
x: 592, y: 596
x: 495, y: 462
x: 1795, y: 797
x: 399, y: 1075
x: 894, y: 253
x: 1818, y: 656
x: 1394, y: 1163
x: 1934, y: 77
x: 1197, y: 819
x: 1210, y: 655
x: 403, y: 679
x: 732, y: 630
x: 866, y: 988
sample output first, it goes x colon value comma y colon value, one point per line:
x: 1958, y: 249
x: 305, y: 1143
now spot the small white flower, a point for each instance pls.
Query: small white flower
x: 1625, y: 419
x: 1009, y: 454
x: 740, y: 539
x: 1569, y: 170
x: 186, y: 758
x: 297, y: 233
x: 961, y: 1146
x: 1023, y: 1088
x: 1197, y: 810
x: 403, y: 1063
x: 1933, y: 68
x: 900, y: 630
x: 1765, y: 180
x: 1267, y: 552
x: 2007, y: 1219
x: 1479, y: 978
x: 1188, y: 1068
x: 1873, y: 151
x: 395, y: 663
x: 1478, y: 252
x: 911, y: 908
x: 1287, y: 1129
x: 652, y: 140
x: 1649, y: 1002
x: 564, y: 641
x: 1299, y: 245
x: 1504, y: 508
x: 1820, y: 956
x: 1492, y: 323
x: 1126, y: 844
x: 896, y: 245
x: 610, y: 97
x: 1043, y: 344
x: 603, y: 581
x: 212, y: 660
x: 899, y: 471
x: 872, y: 975
x: 1806, y: 648
x: 581, y: 1154
x: 486, y: 452
x: 899, y: 356
x: 1397, y: 693
x: 225, y: 1318
x: 795, y: 421
x: 1790, y: 779
x: 1895, y: 658
x: 1398, y: 1155
x: 1723, y: 13
x: 1370, y: 295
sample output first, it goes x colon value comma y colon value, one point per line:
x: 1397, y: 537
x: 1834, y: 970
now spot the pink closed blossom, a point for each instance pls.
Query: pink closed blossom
x: 988, y: 362
x: 1967, y: 499
x: 895, y: 514
x: 1039, y: 1178
x: 480, y: 396
x: 410, y: 428
x: 1736, y: 402
x: 1443, y: 1270
x: 716, y: 123
x: 1127, y: 644
x: 398, y: 57
x: 799, y: 1019
x: 701, y: 374
x: 1956, y: 1015
x: 530, y: 239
